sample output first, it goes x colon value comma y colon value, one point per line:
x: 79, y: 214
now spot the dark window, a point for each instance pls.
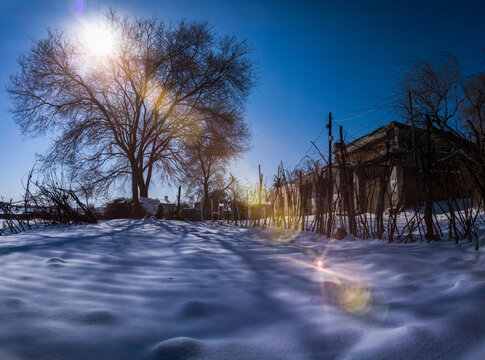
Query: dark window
x: 391, y: 140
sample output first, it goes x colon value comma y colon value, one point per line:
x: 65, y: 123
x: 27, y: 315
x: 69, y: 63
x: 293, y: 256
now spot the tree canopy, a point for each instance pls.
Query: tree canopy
x: 130, y: 113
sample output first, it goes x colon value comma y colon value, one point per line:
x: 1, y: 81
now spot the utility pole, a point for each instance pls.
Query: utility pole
x: 202, y: 203
x: 212, y: 209
x: 248, y: 214
x: 260, y: 194
x: 428, y: 209
x: 178, y: 200
x: 330, y: 178
x: 411, y: 115
x: 302, y: 203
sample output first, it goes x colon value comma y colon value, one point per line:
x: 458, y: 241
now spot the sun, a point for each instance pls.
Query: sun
x: 98, y: 40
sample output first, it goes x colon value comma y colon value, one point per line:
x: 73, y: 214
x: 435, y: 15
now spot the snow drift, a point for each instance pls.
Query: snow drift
x: 154, y: 289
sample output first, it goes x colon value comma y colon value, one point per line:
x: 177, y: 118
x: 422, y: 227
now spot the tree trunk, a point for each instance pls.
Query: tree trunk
x: 137, y: 210
x: 142, y: 184
x: 206, y: 201
x: 178, y: 200
x: 144, y: 190
x: 145, y: 183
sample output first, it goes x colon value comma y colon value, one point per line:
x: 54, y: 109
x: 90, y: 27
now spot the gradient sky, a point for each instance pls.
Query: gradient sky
x: 313, y: 57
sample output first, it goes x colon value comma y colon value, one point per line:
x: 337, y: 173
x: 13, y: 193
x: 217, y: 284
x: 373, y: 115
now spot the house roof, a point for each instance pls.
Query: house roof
x: 373, y: 136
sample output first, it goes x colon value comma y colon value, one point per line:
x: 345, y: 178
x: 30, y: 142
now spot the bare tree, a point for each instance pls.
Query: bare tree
x: 473, y: 112
x: 128, y: 114
x: 434, y: 96
x: 435, y: 88
x: 210, y: 151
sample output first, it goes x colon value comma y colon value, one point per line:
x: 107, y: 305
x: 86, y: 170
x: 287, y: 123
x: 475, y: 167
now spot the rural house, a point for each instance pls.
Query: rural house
x: 382, y: 168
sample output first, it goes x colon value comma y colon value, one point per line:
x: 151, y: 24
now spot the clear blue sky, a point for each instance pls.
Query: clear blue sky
x: 313, y: 57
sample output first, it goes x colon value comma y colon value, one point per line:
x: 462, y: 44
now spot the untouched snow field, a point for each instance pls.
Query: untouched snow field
x: 172, y: 290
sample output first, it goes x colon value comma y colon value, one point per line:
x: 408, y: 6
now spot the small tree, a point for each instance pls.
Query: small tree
x: 434, y: 86
x: 473, y: 112
x: 209, y: 153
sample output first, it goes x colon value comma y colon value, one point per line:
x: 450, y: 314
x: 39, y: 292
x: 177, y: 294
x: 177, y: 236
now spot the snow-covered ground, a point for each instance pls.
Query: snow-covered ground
x: 172, y: 290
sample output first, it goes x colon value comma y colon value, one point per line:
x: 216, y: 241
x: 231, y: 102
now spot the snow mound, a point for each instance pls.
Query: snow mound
x: 185, y: 348
x: 56, y: 261
x: 198, y: 309
x: 103, y: 317
x: 179, y: 348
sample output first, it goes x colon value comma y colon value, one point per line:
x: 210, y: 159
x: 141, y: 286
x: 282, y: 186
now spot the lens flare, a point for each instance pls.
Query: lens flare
x: 277, y: 234
x: 355, y: 298
x: 79, y: 6
x: 345, y: 284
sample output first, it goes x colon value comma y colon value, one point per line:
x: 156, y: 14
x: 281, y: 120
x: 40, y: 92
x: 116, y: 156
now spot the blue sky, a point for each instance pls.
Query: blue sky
x: 313, y: 57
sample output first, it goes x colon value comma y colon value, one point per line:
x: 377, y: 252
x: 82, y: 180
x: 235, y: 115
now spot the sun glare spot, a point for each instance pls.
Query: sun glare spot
x: 98, y: 40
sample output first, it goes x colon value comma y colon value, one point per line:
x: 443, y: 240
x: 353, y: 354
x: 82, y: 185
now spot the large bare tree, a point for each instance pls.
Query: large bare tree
x: 131, y: 112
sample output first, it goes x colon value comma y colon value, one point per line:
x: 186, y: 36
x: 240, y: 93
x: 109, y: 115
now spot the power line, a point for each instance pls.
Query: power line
x: 356, y: 116
x: 384, y: 102
x: 310, y: 147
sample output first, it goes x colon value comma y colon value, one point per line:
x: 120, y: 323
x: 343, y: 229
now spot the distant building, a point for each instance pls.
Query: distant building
x: 192, y: 214
x: 380, y: 167
x: 385, y: 161
x: 150, y: 205
x: 157, y: 207
x: 166, y: 207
